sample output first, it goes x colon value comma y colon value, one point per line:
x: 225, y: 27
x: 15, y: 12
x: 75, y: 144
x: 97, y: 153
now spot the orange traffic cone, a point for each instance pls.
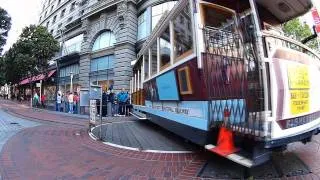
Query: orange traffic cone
x: 225, y: 144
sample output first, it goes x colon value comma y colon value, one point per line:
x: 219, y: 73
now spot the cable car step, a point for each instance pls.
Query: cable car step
x: 138, y: 115
x: 235, y: 157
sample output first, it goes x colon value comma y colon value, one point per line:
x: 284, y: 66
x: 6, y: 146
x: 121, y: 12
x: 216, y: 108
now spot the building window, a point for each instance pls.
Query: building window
x: 159, y: 10
x: 69, y: 19
x: 105, y: 40
x: 73, y: 6
x: 45, y: 14
x: 48, y: 24
x: 51, y: 31
x: 59, y: 1
x: 182, y: 39
x: 52, y: 8
x: 165, y: 49
x: 59, y: 26
x: 40, y: 18
x: 65, y: 71
x: 63, y: 13
x: 81, y: 12
x: 102, y: 63
x: 72, y: 45
x: 144, y: 24
x: 54, y: 19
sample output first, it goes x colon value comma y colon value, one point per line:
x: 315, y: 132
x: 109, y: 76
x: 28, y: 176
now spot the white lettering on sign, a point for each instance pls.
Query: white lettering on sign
x: 171, y: 109
x: 192, y: 109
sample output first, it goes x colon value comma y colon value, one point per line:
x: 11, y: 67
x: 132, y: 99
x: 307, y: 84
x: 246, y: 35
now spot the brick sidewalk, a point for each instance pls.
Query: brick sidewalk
x: 49, y: 152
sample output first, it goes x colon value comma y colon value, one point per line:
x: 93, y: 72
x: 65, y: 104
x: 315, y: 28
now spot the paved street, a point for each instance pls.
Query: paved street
x: 10, y: 125
x: 46, y: 145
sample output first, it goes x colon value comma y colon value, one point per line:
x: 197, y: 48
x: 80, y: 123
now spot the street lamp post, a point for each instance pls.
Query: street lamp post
x: 71, y: 77
x: 29, y: 78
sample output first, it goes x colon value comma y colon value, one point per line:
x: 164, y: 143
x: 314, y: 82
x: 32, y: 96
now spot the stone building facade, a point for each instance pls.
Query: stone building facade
x: 100, y: 38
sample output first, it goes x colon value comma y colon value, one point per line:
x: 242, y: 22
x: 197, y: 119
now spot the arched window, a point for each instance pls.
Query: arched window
x: 105, y: 39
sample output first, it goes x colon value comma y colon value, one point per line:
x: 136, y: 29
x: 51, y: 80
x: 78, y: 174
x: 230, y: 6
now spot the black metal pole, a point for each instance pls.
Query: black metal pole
x: 100, y: 113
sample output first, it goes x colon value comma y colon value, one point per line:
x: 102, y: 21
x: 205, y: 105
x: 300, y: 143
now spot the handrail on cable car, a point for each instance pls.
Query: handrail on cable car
x: 268, y: 34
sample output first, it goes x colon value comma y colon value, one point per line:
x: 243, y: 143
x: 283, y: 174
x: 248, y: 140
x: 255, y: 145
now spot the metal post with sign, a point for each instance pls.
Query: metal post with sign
x: 40, y: 89
x: 93, y: 113
x: 96, y: 93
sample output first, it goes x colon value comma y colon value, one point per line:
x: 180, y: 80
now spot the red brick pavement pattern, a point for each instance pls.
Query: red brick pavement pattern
x: 50, y: 152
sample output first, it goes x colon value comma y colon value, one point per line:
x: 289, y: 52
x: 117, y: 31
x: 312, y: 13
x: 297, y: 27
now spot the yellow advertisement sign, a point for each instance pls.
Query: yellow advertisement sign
x: 299, y: 84
x: 298, y: 76
x: 299, y: 101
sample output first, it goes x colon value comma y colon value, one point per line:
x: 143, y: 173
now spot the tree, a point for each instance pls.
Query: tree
x: 40, y: 45
x: 30, y: 55
x: 2, y: 72
x: 5, y: 25
x: 299, y: 31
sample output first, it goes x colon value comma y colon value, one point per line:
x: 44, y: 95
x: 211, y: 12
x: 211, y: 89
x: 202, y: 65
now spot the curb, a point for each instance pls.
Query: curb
x: 92, y: 136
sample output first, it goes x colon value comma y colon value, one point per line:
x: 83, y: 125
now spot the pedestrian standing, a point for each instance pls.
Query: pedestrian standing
x: 35, y: 100
x: 59, y: 101
x: 109, y: 103
x: 66, y: 102
x: 43, y: 100
x: 128, y: 106
x: 122, y: 99
x: 104, y: 104
x: 112, y: 100
x: 116, y: 106
x: 75, y: 102
x: 70, y: 100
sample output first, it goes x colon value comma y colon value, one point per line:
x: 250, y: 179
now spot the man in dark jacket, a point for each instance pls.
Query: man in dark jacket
x: 104, y: 104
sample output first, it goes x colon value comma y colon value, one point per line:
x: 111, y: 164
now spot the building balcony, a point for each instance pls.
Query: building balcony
x: 101, y: 5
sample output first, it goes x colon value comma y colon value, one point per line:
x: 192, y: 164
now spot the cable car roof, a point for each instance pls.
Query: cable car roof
x: 282, y: 10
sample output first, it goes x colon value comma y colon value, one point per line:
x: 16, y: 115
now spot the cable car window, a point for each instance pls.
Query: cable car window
x: 165, y: 49
x: 215, y: 16
x: 154, y: 58
x: 146, y: 65
x: 183, y: 42
x: 184, y: 80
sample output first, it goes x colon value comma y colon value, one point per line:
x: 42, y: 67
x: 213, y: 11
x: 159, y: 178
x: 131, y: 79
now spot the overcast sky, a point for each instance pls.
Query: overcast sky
x: 23, y: 13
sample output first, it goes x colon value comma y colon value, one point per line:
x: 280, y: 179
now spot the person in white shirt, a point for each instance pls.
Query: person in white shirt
x: 70, y: 100
x: 59, y: 98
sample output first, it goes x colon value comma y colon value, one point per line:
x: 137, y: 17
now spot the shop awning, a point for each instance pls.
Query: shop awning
x: 36, y: 78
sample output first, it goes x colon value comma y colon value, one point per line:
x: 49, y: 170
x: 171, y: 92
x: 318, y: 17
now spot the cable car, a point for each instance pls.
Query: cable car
x: 221, y: 74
